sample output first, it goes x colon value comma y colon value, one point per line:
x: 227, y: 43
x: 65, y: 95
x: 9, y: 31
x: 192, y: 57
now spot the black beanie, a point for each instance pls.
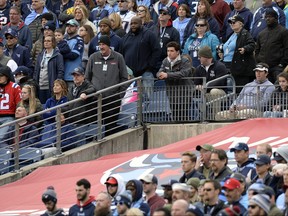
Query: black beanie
x: 104, y: 39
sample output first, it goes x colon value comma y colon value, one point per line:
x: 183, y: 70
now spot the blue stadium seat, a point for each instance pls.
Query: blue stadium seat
x: 5, y: 160
x: 128, y: 115
x: 29, y: 155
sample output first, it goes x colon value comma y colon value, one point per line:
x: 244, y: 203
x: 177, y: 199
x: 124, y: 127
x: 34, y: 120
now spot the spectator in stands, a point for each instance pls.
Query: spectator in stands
x: 74, y: 58
x: 144, y: 14
x: 110, y: 72
x: 81, y: 15
x: 60, y: 92
x: 10, y: 96
x: 150, y: 183
x: 105, y: 29
x: 20, y: 54
x: 262, y: 169
x: 172, y: 70
x: 203, y: 12
x: 115, y: 186
x: 28, y: 134
x: 188, y: 162
x: 162, y: 212
x: 219, y: 9
x: 264, y: 148
x: 166, y: 32
x: 219, y: 168
x: 68, y: 14
x: 252, y: 99
x: 48, y: 28
x: 278, y: 99
x: 243, y: 188
x: 132, y: 6
x: 233, y: 194
x: 194, y: 184
x: 259, y: 205
x: 212, y: 203
x: 169, y: 5
x: 49, y: 198
x: 33, y: 20
x: 123, y: 202
x: 125, y: 14
x: 180, y: 23
x: 24, y: 33
x: 239, y: 10
x: 167, y: 195
x: 141, y: 52
x: 116, y: 24
x: 231, y: 211
x: 60, y: 6
x: 179, y: 207
x: 245, y: 165
x: 23, y: 76
x: 87, y: 34
x: 48, y: 68
x: 31, y: 103
x: 238, y: 52
x: 7, y: 61
x: 98, y: 13
x: 81, y: 113
x: 85, y: 203
x: 272, y: 40
x: 135, y: 211
x: 253, y: 5
x: 103, y: 203
x: 259, y: 22
x: 274, y: 210
x: 202, y: 37
x: 4, y: 15
x: 62, y: 44
x: 203, y: 162
x: 136, y: 188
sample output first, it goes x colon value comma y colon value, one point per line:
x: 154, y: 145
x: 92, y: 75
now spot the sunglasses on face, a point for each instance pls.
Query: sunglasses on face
x: 200, y: 25
x: 140, y: 11
x: 163, y: 13
x: 122, y: 1
x: 120, y: 203
x: 252, y: 206
x: 231, y: 22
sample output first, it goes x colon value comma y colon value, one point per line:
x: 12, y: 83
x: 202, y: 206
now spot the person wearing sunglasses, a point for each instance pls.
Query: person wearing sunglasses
x: 125, y: 14
x: 123, y: 202
x: 159, y: 5
x: 237, y: 53
x: 144, y: 14
x: 202, y: 37
x: 259, y: 205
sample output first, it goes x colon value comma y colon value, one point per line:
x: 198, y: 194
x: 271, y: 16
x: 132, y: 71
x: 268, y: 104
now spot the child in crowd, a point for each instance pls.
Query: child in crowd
x: 61, y: 43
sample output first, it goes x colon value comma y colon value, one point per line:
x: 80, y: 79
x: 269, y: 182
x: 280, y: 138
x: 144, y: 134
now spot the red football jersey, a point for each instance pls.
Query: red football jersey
x: 10, y: 95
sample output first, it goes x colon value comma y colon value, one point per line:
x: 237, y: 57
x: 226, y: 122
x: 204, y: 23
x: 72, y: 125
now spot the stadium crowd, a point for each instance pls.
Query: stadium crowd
x: 210, y: 185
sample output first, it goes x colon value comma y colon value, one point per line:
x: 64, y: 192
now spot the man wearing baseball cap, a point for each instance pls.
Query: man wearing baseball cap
x: 203, y: 162
x: 167, y: 188
x: 245, y: 165
x: 150, y: 183
x: 76, y: 44
x: 104, y: 69
x: 263, y: 164
x: 20, y: 54
x: 233, y: 194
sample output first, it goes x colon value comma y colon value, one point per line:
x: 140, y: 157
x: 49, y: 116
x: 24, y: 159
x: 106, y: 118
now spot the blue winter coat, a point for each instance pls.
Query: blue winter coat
x: 55, y: 67
x: 52, y: 102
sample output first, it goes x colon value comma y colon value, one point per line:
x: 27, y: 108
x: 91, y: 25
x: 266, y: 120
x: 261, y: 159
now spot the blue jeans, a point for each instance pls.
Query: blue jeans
x: 148, y: 83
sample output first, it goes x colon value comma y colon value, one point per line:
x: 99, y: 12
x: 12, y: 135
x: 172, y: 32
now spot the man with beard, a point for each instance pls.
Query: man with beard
x: 103, y: 203
x: 49, y: 198
x: 85, y: 203
x: 123, y: 202
x: 219, y: 168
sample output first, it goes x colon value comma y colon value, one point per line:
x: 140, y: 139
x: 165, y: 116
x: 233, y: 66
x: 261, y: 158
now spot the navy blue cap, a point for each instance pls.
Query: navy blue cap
x: 166, y: 9
x: 240, y: 146
x: 195, y: 210
x: 50, y: 25
x: 263, y: 159
x: 11, y: 32
x: 170, y: 183
x: 78, y: 70
x: 22, y: 69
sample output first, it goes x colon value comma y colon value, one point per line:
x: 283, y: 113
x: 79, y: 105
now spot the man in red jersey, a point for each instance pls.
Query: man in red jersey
x: 10, y: 95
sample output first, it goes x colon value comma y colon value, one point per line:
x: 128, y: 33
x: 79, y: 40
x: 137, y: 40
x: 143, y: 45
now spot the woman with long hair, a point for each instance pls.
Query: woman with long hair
x: 202, y: 37
x: 60, y: 92
x: 49, y: 67
x: 144, y: 13
x: 279, y: 98
x: 31, y: 103
x: 116, y: 24
x: 132, y: 5
x: 184, y: 16
x: 87, y: 34
x: 81, y: 14
x: 203, y: 12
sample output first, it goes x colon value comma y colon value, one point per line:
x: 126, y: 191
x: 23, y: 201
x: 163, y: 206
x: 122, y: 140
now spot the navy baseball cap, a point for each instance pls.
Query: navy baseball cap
x: 170, y: 183
x: 11, y: 32
x: 263, y: 159
x: 240, y: 146
x: 166, y: 9
x: 78, y: 70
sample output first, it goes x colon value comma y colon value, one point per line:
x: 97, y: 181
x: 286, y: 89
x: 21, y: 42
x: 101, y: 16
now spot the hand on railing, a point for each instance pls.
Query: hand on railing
x: 83, y: 96
x: 162, y: 75
x: 199, y: 87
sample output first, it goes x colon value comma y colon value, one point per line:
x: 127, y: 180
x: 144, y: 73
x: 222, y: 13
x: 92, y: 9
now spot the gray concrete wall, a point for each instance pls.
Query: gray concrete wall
x: 126, y: 141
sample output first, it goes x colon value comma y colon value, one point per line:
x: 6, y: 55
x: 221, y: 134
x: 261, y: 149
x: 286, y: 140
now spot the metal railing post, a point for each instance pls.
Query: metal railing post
x: 139, y: 102
x: 16, y: 149
x: 58, y: 131
x: 99, y: 116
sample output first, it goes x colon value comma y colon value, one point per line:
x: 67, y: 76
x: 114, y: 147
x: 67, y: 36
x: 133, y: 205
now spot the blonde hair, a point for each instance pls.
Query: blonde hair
x: 84, y: 11
x: 117, y: 20
x: 134, y: 212
x: 32, y: 99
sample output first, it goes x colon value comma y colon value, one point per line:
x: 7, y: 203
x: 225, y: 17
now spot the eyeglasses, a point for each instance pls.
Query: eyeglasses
x: 140, y: 11
x: 164, y: 13
x: 231, y: 22
x: 252, y: 206
x: 207, y: 189
x: 111, y: 185
x: 200, y: 25
x: 121, y: 1
x: 9, y: 38
x: 120, y: 203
